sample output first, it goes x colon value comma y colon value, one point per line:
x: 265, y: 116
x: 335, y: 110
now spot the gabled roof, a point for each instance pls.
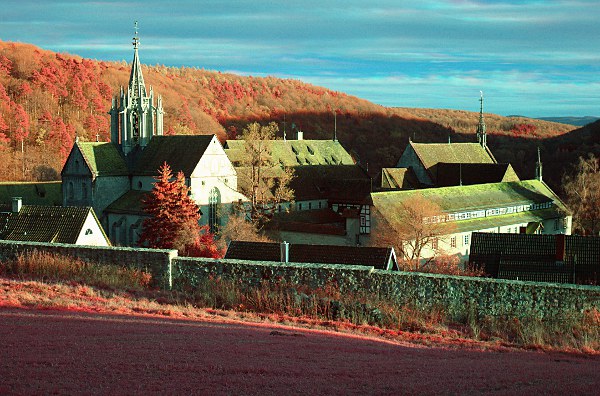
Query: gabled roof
x: 32, y: 193
x: 433, y: 153
x: 52, y: 224
x: 399, y: 179
x: 182, y: 153
x: 103, y: 158
x: 478, y: 197
x: 336, y: 183
x: 295, y: 152
x: 554, y: 258
x: 455, y: 174
x: 318, y: 254
x: 319, y: 221
x: 128, y: 203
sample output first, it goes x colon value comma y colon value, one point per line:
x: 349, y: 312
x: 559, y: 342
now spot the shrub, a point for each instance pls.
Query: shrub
x: 54, y: 267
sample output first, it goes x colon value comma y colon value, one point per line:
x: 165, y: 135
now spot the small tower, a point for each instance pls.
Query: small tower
x: 133, y: 117
x: 481, y: 135
x: 538, y: 166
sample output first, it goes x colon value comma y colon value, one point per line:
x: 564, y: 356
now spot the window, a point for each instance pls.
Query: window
x: 556, y: 224
x: 140, y: 185
x: 214, y: 199
x: 466, y: 240
x: 83, y: 191
x: 434, y: 243
x: 320, y: 204
x: 89, y: 231
x: 453, y: 242
x: 299, y: 206
x: 70, y: 192
x: 309, y: 205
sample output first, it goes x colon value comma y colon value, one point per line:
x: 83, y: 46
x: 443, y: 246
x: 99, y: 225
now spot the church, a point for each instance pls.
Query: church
x: 113, y: 177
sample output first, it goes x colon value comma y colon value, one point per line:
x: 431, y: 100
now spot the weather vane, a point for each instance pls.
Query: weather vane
x: 136, y: 40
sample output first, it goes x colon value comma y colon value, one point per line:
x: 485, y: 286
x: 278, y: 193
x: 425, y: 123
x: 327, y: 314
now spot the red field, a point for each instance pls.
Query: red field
x: 58, y: 352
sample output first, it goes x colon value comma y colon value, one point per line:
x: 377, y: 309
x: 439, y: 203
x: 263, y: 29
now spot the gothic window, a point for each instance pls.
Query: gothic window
x: 135, y: 126
x: 214, y: 199
x: 70, y: 192
x: 83, y: 191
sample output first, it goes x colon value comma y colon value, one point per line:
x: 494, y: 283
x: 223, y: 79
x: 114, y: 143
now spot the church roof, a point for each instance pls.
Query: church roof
x: 32, y: 193
x: 478, y: 197
x: 399, y: 179
x: 295, y: 152
x: 337, y: 183
x: 431, y: 154
x: 468, y: 173
x: 318, y: 254
x: 128, y: 203
x: 182, y: 153
x: 52, y: 224
x: 103, y: 158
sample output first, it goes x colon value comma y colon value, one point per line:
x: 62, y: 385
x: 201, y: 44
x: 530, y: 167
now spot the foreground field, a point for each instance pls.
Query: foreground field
x: 64, y: 352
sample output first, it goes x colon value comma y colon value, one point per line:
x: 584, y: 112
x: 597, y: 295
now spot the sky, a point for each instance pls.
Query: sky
x: 532, y: 58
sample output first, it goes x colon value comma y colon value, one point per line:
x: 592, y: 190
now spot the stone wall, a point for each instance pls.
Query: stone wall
x: 457, y: 296
x: 155, y: 261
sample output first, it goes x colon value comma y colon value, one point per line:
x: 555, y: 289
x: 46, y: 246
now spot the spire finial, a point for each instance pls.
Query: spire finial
x: 481, y: 136
x: 136, y: 40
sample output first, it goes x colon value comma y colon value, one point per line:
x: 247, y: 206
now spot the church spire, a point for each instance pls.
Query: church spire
x: 538, y: 166
x: 481, y: 135
x: 136, y: 79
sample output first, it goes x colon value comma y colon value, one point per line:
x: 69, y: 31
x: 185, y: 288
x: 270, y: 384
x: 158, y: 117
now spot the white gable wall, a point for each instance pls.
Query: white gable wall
x: 91, y: 233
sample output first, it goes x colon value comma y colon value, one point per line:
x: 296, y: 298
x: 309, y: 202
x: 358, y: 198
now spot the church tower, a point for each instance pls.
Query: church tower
x: 133, y: 117
x: 481, y: 135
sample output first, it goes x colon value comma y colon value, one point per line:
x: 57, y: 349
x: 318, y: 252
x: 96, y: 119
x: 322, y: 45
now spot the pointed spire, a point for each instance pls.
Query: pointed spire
x: 481, y: 135
x: 137, y: 88
x: 538, y: 166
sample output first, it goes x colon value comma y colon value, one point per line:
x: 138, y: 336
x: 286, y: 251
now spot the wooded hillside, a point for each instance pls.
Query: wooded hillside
x: 46, y: 99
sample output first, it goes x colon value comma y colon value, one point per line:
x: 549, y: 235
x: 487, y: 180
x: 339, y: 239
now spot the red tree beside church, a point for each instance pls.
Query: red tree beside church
x: 173, y: 221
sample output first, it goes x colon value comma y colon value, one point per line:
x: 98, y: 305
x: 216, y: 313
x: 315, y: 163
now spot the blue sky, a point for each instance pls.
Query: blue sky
x: 535, y: 58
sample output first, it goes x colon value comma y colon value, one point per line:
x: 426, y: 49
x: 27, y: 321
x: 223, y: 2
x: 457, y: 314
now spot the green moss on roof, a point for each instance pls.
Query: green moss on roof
x: 398, y: 178
x: 32, y: 193
x: 103, y: 158
x: 433, y: 153
x: 473, y: 197
x: 129, y: 203
x: 291, y: 153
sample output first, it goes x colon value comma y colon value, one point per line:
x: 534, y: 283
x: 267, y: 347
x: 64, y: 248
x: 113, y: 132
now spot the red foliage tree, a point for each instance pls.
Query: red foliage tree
x: 174, y: 216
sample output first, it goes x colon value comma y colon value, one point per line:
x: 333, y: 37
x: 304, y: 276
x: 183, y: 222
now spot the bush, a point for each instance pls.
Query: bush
x: 54, y: 267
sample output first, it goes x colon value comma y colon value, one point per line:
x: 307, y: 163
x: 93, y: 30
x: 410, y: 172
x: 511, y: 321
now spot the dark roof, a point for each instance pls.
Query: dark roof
x: 103, y: 158
x: 399, y: 179
x: 182, y: 153
x: 320, y: 221
x: 32, y: 193
x: 318, y: 254
x: 554, y: 258
x: 53, y: 224
x: 128, y: 203
x: 336, y: 183
x: 455, y: 174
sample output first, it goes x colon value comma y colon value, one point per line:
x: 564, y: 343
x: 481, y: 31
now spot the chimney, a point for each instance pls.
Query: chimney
x: 299, y: 135
x: 560, y: 247
x: 17, y: 202
x: 285, y: 252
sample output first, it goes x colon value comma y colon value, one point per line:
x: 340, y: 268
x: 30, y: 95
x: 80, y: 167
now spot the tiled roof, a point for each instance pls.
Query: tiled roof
x: 537, y: 257
x: 453, y: 174
x: 32, y: 193
x: 103, y: 158
x: 320, y: 221
x: 399, y: 179
x: 295, y: 152
x: 318, y: 254
x: 182, y: 153
x: 336, y: 183
x: 129, y: 203
x: 476, y: 197
x: 35, y: 223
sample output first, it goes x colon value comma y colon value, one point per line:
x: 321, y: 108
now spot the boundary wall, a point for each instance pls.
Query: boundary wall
x: 457, y: 296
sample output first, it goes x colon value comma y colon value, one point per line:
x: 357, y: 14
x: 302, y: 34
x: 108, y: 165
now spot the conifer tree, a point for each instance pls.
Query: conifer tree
x: 174, y: 216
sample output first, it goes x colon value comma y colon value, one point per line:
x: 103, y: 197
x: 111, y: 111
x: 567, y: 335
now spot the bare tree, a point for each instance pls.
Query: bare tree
x: 261, y: 180
x: 416, y: 228
x: 582, y: 190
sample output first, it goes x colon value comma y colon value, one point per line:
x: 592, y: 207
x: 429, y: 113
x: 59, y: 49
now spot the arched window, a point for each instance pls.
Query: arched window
x: 70, y: 192
x: 84, y: 191
x: 214, y: 199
